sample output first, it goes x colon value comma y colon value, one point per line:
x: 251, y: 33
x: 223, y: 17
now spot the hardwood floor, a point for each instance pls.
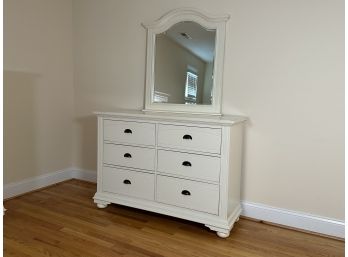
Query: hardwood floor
x: 62, y: 220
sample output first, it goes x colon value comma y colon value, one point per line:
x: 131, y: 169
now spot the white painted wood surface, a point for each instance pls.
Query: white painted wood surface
x: 296, y: 219
x: 129, y: 156
x: 128, y: 182
x: 190, y: 138
x: 188, y: 165
x: 171, y: 118
x: 202, y: 196
x: 129, y: 132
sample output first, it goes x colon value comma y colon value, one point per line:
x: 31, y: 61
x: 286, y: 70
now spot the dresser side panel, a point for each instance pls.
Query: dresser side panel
x: 235, y: 167
x: 100, y: 153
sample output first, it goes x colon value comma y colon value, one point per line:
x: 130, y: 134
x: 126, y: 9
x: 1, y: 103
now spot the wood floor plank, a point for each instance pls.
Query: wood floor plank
x: 63, y: 221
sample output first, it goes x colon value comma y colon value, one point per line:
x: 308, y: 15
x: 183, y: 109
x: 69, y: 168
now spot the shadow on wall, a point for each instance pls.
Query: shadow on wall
x: 87, y: 142
x: 20, y: 125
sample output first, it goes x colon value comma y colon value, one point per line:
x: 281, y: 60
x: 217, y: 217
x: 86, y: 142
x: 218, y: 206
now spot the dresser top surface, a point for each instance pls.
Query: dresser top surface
x: 179, y: 117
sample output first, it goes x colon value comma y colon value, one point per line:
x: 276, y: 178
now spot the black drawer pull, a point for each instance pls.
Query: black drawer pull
x: 187, y: 164
x: 127, y: 155
x: 187, y: 137
x: 127, y: 131
x: 185, y: 192
x: 127, y: 182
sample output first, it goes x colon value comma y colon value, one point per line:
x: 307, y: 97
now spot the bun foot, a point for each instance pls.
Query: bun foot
x: 101, y: 205
x: 223, y: 235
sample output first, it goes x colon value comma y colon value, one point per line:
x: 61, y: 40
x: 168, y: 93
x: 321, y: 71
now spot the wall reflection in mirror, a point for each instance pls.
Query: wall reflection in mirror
x: 184, y: 64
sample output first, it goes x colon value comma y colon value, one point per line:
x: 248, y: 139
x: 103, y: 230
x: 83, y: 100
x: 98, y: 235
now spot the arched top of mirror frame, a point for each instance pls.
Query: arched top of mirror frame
x: 208, y: 21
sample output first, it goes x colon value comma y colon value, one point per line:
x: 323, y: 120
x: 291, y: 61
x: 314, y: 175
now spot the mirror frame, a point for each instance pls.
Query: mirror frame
x: 164, y: 23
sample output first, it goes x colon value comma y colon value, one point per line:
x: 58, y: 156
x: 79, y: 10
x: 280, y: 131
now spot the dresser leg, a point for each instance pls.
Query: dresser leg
x: 101, y: 205
x: 222, y: 234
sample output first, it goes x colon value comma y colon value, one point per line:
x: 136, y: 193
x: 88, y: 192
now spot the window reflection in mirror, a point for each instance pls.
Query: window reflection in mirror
x: 184, y: 64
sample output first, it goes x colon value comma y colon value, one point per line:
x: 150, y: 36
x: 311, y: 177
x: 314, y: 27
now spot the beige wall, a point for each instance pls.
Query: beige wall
x: 171, y: 62
x: 283, y: 69
x: 38, y: 87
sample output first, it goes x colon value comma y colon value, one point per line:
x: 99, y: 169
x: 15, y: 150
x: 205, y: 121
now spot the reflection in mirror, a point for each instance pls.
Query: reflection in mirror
x: 184, y: 65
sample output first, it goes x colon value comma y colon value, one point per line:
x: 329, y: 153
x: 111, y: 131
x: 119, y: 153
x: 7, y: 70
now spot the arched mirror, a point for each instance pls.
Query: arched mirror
x: 185, y: 50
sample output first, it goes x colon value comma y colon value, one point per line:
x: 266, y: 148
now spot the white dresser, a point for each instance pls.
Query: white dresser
x: 186, y: 166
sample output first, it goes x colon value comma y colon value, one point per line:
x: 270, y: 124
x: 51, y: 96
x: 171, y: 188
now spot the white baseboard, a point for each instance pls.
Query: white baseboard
x: 284, y: 217
x: 27, y: 185
x: 86, y: 175
x: 299, y: 220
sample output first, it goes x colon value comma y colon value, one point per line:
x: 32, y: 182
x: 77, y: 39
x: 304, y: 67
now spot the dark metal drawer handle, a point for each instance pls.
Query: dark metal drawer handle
x: 127, y: 182
x: 187, y: 137
x: 127, y: 155
x: 185, y: 192
x: 186, y: 163
x: 127, y: 131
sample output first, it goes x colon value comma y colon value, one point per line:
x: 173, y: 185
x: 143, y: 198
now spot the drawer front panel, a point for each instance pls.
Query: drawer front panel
x: 129, y: 132
x: 129, y: 156
x: 190, y: 138
x: 126, y: 182
x: 189, y: 165
x: 189, y: 194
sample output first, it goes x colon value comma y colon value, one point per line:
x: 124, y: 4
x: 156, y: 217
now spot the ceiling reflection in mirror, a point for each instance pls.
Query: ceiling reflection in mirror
x: 184, y: 65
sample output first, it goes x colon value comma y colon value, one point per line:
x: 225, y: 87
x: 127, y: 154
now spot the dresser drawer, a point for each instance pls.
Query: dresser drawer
x: 189, y: 194
x: 129, y: 156
x: 129, y: 132
x: 190, y: 138
x: 126, y: 182
x: 189, y: 165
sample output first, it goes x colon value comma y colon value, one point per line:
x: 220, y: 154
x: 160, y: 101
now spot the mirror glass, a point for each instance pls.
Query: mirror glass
x: 184, y: 64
